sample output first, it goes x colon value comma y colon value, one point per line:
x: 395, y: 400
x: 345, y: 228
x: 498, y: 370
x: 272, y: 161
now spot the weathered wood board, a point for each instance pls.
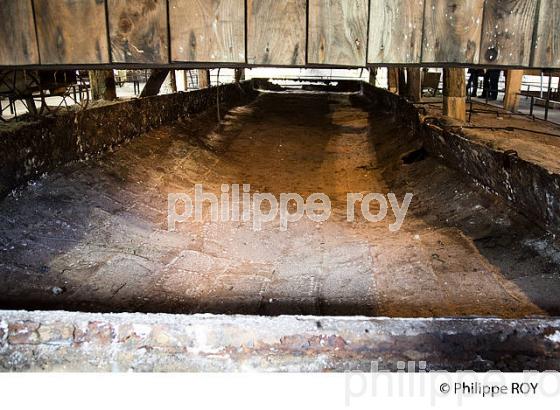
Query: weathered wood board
x: 338, y: 32
x: 452, y: 31
x: 18, y: 42
x: 207, y: 30
x: 395, y: 32
x: 138, y: 31
x: 514, y: 33
x: 72, y: 31
x: 547, y: 42
x: 276, y: 32
x: 507, y: 32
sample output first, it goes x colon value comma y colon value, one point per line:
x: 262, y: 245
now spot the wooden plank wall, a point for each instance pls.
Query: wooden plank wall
x: 507, y: 32
x: 452, y: 31
x: 354, y: 33
x: 208, y: 30
x: 72, y: 31
x: 17, y: 25
x: 395, y: 32
x: 276, y: 32
x: 547, y: 43
x: 138, y: 31
x: 338, y: 31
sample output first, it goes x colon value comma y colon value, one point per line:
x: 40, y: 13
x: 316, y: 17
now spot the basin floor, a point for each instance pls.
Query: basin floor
x: 94, y: 235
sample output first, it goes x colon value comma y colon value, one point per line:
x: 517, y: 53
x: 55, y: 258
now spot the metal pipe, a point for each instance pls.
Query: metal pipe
x: 218, y: 96
x: 470, y: 106
x: 548, y: 97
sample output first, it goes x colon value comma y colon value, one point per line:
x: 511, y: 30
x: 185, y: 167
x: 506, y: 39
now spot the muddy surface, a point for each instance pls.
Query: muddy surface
x: 93, y: 235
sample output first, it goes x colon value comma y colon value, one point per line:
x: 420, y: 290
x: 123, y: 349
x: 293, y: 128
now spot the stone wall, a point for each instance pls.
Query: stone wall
x: 31, y: 149
x: 526, y: 186
x: 64, y: 341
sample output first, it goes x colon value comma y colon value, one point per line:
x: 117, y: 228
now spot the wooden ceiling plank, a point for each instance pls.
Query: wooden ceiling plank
x: 395, y: 31
x: 72, y: 32
x: 276, y: 32
x: 547, y: 42
x: 207, y: 30
x: 452, y: 31
x: 138, y: 31
x: 507, y: 32
x: 18, y: 40
x: 338, y: 32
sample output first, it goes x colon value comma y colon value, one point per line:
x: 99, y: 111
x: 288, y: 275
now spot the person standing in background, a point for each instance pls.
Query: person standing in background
x: 472, y: 85
x: 491, y: 84
x: 494, y: 84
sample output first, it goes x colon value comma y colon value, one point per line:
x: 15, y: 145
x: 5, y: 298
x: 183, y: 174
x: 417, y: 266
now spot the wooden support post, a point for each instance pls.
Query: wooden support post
x: 103, y: 86
x: 514, y: 79
x: 172, y: 81
x: 31, y: 106
x: 239, y: 75
x: 373, y: 76
x: 155, y: 81
x: 402, y: 83
x: 393, y: 80
x: 455, y: 93
x: 204, y: 78
x: 414, y: 84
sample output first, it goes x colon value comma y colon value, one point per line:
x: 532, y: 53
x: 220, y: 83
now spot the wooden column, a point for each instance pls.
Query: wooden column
x: 31, y: 106
x: 414, y: 84
x: 204, y: 78
x: 172, y: 81
x: 155, y: 81
x: 403, y: 86
x: 513, y: 87
x: 455, y: 93
x: 393, y: 80
x: 373, y: 76
x: 102, y: 83
x: 239, y: 75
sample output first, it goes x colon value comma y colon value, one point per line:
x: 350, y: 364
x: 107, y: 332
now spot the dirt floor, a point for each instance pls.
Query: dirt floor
x: 93, y: 235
